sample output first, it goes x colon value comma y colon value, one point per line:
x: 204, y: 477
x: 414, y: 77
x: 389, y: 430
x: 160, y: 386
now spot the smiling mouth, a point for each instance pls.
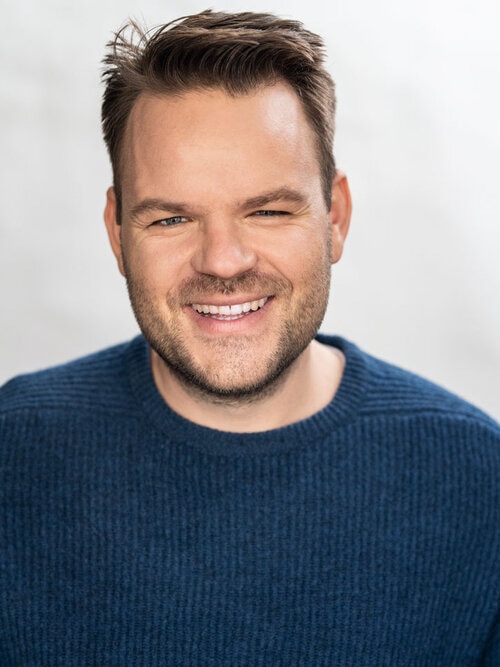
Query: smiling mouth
x: 233, y: 312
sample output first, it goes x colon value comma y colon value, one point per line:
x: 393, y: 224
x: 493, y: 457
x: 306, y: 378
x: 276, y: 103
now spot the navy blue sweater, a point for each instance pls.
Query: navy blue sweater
x: 366, y: 535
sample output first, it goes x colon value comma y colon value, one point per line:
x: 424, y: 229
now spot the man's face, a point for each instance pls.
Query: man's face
x: 226, y: 242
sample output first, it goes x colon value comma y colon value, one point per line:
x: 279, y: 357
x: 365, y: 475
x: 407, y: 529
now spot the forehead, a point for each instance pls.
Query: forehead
x: 209, y: 132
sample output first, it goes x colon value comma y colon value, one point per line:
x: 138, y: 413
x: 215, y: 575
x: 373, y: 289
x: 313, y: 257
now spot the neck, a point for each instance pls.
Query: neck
x: 308, y: 386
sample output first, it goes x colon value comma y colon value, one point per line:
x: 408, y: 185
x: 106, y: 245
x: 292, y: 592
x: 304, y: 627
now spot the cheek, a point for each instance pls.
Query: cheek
x: 302, y: 255
x: 151, y: 264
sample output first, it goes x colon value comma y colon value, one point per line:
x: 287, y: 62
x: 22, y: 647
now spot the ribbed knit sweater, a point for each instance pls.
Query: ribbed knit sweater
x: 366, y: 535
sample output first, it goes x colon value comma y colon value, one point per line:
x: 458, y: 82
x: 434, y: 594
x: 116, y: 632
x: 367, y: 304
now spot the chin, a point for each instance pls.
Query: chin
x: 225, y: 385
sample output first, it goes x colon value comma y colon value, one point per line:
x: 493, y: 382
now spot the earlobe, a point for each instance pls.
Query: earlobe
x: 113, y: 227
x: 340, y: 214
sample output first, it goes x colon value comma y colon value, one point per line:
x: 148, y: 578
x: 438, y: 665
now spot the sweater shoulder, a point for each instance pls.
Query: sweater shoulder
x: 394, y: 390
x: 86, y: 383
x: 386, y: 391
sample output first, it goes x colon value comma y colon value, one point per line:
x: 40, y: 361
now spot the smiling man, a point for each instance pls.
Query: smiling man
x: 230, y: 487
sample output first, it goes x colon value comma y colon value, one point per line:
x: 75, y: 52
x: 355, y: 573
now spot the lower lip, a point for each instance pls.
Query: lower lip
x: 244, y: 323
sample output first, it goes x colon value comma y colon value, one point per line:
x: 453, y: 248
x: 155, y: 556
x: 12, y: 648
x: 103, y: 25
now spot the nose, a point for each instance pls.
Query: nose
x: 224, y: 249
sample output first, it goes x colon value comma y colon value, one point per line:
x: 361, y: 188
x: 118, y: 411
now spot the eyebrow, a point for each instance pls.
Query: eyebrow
x: 177, y: 208
x: 154, y: 204
x: 281, y: 194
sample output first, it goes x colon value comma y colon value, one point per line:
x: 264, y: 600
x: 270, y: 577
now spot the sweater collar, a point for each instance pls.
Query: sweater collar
x: 340, y: 411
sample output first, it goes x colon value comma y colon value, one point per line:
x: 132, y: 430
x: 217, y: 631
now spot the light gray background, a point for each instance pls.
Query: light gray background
x: 418, y: 134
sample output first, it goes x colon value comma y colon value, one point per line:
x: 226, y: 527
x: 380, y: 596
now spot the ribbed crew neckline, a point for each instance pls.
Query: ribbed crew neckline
x: 343, y: 407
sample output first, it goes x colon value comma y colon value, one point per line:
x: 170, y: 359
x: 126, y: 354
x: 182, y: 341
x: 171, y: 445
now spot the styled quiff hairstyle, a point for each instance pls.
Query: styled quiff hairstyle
x: 234, y: 52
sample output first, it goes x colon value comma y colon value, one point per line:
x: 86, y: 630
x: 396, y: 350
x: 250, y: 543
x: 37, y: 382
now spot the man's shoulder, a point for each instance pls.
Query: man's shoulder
x: 392, y: 391
x: 84, y: 382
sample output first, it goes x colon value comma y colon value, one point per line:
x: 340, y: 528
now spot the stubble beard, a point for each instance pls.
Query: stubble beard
x: 232, y: 378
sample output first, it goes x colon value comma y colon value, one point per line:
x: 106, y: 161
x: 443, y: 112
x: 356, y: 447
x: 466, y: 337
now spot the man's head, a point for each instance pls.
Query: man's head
x: 234, y: 52
x: 225, y: 218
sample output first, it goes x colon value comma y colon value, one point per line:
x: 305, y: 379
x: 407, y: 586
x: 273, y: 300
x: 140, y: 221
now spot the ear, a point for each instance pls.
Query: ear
x: 113, y: 227
x: 340, y: 214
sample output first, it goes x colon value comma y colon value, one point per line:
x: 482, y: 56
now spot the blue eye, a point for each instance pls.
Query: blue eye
x: 269, y: 213
x: 169, y: 222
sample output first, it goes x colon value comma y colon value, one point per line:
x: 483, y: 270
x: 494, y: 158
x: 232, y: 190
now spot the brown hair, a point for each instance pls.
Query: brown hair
x: 235, y: 52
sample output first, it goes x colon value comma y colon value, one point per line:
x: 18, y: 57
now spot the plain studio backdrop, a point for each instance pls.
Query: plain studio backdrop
x: 417, y: 133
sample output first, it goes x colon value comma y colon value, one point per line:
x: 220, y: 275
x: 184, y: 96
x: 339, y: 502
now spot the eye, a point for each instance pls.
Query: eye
x: 170, y: 222
x: 268, y: 213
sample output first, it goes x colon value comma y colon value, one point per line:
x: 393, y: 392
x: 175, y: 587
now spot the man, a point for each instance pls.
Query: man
x: 231, y: 488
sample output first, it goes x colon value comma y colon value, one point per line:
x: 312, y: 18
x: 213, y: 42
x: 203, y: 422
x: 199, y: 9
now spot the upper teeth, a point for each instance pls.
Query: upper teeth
x: 235, y: 309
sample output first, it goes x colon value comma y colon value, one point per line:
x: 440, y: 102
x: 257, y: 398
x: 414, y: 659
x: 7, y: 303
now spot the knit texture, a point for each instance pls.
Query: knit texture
x: 366, y: 535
